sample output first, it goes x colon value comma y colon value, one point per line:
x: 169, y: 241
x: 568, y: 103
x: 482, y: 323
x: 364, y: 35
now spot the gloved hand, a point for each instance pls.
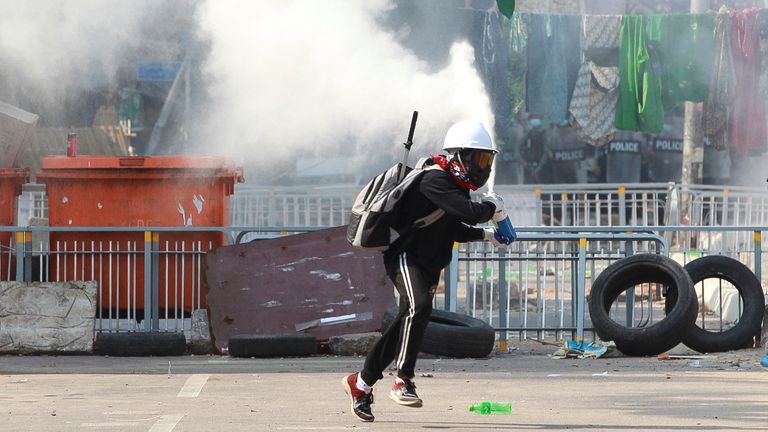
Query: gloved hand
x: 501, y: 209
x: 496, y: 239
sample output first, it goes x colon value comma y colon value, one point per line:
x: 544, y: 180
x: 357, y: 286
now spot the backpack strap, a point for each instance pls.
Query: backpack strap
x: 435, y: 215
x: 429, y: 219
x: 421, y: 222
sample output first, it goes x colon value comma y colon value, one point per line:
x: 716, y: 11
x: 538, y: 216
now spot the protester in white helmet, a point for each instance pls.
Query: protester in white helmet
x: 415, y: 260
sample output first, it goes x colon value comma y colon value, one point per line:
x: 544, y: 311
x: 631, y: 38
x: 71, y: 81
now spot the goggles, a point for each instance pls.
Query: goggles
x: 480, y: 159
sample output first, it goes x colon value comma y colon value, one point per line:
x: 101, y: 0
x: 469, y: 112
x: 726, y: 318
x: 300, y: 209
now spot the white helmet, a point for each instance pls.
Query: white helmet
x: 468, y: 134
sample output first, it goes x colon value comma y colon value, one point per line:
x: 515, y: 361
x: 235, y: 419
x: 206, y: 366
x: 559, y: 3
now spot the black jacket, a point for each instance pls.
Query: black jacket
x: 430, y: 247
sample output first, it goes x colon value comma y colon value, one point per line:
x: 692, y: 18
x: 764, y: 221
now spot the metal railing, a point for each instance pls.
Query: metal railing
x: 639, y: 204
x: 538, y: 286
x: 152, y: 278
x: 149, y: 279
x: 291, y: 207
x: 592, y: 204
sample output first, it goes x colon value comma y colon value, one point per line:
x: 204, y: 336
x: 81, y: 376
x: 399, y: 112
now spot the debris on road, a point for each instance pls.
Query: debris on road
x: 573, y: 349
x: 666, y: 356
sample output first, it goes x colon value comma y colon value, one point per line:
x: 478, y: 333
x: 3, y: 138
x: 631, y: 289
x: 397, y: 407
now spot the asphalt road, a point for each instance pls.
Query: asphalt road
x: 727, y: 392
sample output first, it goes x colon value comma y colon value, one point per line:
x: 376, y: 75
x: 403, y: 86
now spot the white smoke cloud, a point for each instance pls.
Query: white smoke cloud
x: 288, y: 77
x: 81, y: 43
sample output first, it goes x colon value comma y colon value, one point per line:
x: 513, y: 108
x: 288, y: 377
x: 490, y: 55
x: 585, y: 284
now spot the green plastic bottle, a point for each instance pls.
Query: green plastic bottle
x: 491, y: 408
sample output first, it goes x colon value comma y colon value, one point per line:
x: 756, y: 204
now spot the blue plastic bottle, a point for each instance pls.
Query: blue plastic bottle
x: 505, y: 229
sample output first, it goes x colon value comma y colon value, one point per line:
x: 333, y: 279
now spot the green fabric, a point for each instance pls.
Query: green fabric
x: 686, y: 53
x: 506, y: 7
x: 640, y: 103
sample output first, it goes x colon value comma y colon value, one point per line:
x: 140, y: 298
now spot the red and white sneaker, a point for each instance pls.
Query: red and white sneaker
x: 361, y: 401
x: 404, y: 393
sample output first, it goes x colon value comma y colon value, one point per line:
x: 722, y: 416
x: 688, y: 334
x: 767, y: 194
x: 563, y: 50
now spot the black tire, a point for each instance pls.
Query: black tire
x: 141, y: 344
x: 741, y: 277
x: 626, y: 273
x: 272, y: 345
x: 450, y: 334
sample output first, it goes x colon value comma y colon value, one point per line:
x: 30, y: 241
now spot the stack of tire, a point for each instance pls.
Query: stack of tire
x: 140, y: 344
x: 681, y: 304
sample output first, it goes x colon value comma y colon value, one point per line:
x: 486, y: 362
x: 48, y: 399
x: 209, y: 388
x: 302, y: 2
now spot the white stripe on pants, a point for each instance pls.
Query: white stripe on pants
x: 408, y: 320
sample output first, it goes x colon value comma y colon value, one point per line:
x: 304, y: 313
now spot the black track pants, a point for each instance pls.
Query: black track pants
x: 401, y: 341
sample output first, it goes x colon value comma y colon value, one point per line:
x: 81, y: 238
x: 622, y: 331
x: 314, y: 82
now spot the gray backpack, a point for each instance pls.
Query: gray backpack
x: 371, y: 224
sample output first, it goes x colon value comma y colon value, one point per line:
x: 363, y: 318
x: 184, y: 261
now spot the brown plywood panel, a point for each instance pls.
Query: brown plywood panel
x: 313, y: 282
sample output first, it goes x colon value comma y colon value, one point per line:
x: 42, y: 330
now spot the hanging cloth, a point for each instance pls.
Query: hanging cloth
x: 553, y: 64
x: 600, y: 39
x: 593, y: 104
x: 747, y: 128
x: 686, y: 55
x: 717, y: 108
x: 506, y: 7
x: 640, y: 103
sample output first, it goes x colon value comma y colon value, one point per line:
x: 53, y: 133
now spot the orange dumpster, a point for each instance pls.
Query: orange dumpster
x: 11, y: 180
x: 136, y: 191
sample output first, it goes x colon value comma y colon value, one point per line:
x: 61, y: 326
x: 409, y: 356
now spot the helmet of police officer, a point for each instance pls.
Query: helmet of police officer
x: 472, y: 146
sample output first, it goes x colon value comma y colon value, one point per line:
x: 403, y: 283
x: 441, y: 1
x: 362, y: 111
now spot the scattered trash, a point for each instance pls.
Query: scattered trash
x: 427, y: 375
x: 695, y: 364
x: 573, y: 349
x: 486, y: 408
x: 764, y: 362
x: 666, y: 356
x: 553, y: 375
x: 341, y: 319
x: 601, y: 374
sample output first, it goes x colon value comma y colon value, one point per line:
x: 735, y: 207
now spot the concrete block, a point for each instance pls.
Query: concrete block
x: 200, y: 340
x: 47, y: 317
x: 353, y: 344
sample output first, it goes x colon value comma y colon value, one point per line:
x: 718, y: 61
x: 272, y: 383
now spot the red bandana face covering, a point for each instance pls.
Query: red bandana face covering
x: 456, y: 171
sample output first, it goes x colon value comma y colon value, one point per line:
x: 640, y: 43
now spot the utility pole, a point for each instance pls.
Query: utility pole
x: 693, y: 140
